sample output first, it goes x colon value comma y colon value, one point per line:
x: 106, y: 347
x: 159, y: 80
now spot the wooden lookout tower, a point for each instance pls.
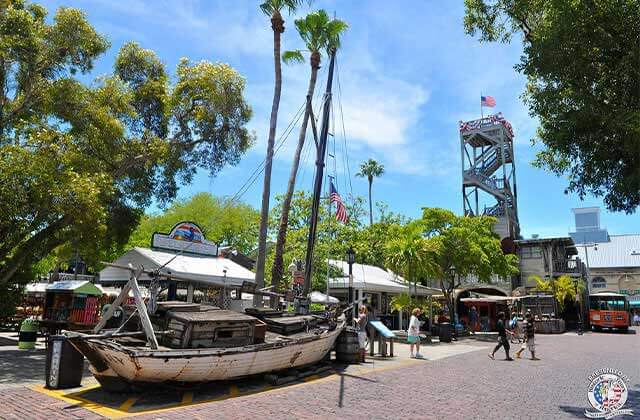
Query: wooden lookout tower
x: 489, y: 172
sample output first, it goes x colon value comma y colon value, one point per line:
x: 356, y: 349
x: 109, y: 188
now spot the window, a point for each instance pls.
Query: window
x: 531, y: 252
x: 598, y: 283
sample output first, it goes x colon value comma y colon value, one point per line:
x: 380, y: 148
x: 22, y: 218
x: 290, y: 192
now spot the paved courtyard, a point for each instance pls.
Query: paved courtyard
x: 457, y: 381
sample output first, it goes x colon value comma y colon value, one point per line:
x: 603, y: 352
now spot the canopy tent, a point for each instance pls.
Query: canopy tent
x: 205, y: 270
x: 319, y: 297
x: 375, y: 279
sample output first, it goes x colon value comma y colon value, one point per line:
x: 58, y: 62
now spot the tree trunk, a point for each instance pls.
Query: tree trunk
x: 277, y: 270
x: 370, y: 203
x: 277, y: 24
x: 38, y: 246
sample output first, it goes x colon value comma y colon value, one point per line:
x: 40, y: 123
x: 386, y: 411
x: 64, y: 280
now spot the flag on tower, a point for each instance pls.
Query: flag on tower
x: 341, y: 212
x: 489, y: 101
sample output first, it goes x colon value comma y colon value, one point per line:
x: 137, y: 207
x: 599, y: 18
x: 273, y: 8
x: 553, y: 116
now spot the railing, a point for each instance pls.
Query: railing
x: 71, y: 276
x: 490, y: 182
x: 566, y: 266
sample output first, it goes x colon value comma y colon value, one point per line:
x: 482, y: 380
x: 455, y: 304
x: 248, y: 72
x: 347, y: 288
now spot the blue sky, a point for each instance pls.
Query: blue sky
x: 408, y: 74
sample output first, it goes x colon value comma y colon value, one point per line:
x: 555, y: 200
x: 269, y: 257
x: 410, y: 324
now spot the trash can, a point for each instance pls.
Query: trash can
x: 28, y: 334
x: 65, y: 364
x: 444, y: 333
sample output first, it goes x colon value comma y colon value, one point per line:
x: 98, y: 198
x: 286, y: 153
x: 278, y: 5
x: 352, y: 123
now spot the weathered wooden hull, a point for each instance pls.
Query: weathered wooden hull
x: 110, y: 359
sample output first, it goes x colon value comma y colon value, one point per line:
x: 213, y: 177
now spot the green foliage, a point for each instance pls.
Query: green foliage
x: 79, y: 163
x: 222, y: 221
x: 562, y: 288
x: 291, y: 57
x: 370, y: 169
x: 272, y: 7
x: 407, y: 251
x: 459, y: 247
x: 319, y: 33
x: 405, y: 303
x: 581, y: 62
x: 333, y: 237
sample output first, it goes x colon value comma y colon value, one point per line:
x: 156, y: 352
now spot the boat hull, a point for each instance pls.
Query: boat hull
x: 110, y: 361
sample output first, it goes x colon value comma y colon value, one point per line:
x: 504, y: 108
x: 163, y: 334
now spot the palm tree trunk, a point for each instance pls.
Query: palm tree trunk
x: 277, y: 24
x: 370, y: 204
x: 277, y: 270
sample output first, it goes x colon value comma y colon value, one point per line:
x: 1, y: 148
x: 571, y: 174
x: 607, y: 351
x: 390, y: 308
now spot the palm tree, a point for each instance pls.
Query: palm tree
x: 318, y: 32
x: 273, y: 9
x: 370, y: 169
x: 408, y: 253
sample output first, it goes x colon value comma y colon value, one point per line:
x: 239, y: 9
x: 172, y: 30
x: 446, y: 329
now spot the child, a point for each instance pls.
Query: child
x: 529, y: 338
x: 362, y: 331
x: 413, y: 334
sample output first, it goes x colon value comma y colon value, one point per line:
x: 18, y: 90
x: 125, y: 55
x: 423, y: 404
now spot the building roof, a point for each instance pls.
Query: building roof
x: 374, y: 279
x: 621, y: 251
x: 199, y: 268
x: 78, y: 287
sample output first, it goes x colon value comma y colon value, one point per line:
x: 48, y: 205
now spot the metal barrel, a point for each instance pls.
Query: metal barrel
x: 28, y: 334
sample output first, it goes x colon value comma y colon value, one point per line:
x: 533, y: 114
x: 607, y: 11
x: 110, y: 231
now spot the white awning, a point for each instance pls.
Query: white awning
x: 319, y: 297
x: 216, y: 271
x: 374, y: 279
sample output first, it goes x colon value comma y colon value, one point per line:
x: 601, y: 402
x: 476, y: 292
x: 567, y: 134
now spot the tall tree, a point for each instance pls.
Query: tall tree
x: 370, y: 169
x: 79, y: 163
x: 319, y: 33
x: 223, y: 221
x: 460, y: 247
x: 582, y: 62
x: 408, y: 252
x: 273, y: 9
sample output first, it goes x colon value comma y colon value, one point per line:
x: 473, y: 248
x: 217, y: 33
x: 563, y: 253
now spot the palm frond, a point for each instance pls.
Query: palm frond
x: 293, y: 57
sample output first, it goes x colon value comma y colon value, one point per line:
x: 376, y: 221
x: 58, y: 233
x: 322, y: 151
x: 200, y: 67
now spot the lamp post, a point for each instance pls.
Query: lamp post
x: 586, y: 247
x: 575, y: 284
x: 351, y: 258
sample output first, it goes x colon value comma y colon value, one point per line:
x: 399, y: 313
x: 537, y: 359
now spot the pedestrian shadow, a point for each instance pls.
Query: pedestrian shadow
x: 633, y: 403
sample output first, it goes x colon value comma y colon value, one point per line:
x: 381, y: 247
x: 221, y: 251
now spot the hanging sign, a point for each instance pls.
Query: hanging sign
x: 186, y: 237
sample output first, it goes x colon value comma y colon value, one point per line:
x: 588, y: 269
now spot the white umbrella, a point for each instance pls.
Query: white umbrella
x: 319, y: 297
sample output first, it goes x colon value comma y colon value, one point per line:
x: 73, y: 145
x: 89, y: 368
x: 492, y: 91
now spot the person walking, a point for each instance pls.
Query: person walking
x: 529, y: 338
x: 502, y: 338
x: 413, y: 333
x: 361, y: 326
x: 473, y: 319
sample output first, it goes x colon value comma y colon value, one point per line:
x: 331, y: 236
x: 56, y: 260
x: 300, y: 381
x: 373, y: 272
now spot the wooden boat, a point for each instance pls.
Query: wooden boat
x: 200, y: 344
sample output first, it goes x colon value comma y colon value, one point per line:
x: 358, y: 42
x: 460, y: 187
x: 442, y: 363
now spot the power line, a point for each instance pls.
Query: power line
x: 258, y: 171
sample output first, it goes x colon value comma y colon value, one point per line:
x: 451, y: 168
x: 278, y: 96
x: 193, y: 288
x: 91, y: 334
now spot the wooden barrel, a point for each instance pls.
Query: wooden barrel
x: 347, y: 347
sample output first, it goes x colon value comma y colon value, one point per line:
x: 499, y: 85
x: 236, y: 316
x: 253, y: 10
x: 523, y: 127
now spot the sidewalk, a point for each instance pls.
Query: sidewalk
x: 89, y: 401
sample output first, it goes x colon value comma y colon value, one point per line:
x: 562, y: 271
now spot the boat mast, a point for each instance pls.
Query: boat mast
x: 321, y: 149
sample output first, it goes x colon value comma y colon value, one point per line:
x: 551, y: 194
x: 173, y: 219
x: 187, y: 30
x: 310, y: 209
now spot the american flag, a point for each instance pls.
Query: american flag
x: 489, y: 101
x: 341, y: 212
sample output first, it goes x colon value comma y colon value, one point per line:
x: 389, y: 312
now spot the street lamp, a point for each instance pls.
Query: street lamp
x: 586, y: 247
x: 580, y: 327
x: 351, y: 258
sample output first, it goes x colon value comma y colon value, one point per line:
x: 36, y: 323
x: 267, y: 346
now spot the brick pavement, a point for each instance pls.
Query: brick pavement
x: 465, y: 386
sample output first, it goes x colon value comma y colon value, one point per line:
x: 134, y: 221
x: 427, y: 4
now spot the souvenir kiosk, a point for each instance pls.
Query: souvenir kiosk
x: 71, y: 305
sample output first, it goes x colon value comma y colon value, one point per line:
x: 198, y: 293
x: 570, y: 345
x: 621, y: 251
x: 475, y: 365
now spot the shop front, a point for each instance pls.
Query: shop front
x: 377, y: 287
